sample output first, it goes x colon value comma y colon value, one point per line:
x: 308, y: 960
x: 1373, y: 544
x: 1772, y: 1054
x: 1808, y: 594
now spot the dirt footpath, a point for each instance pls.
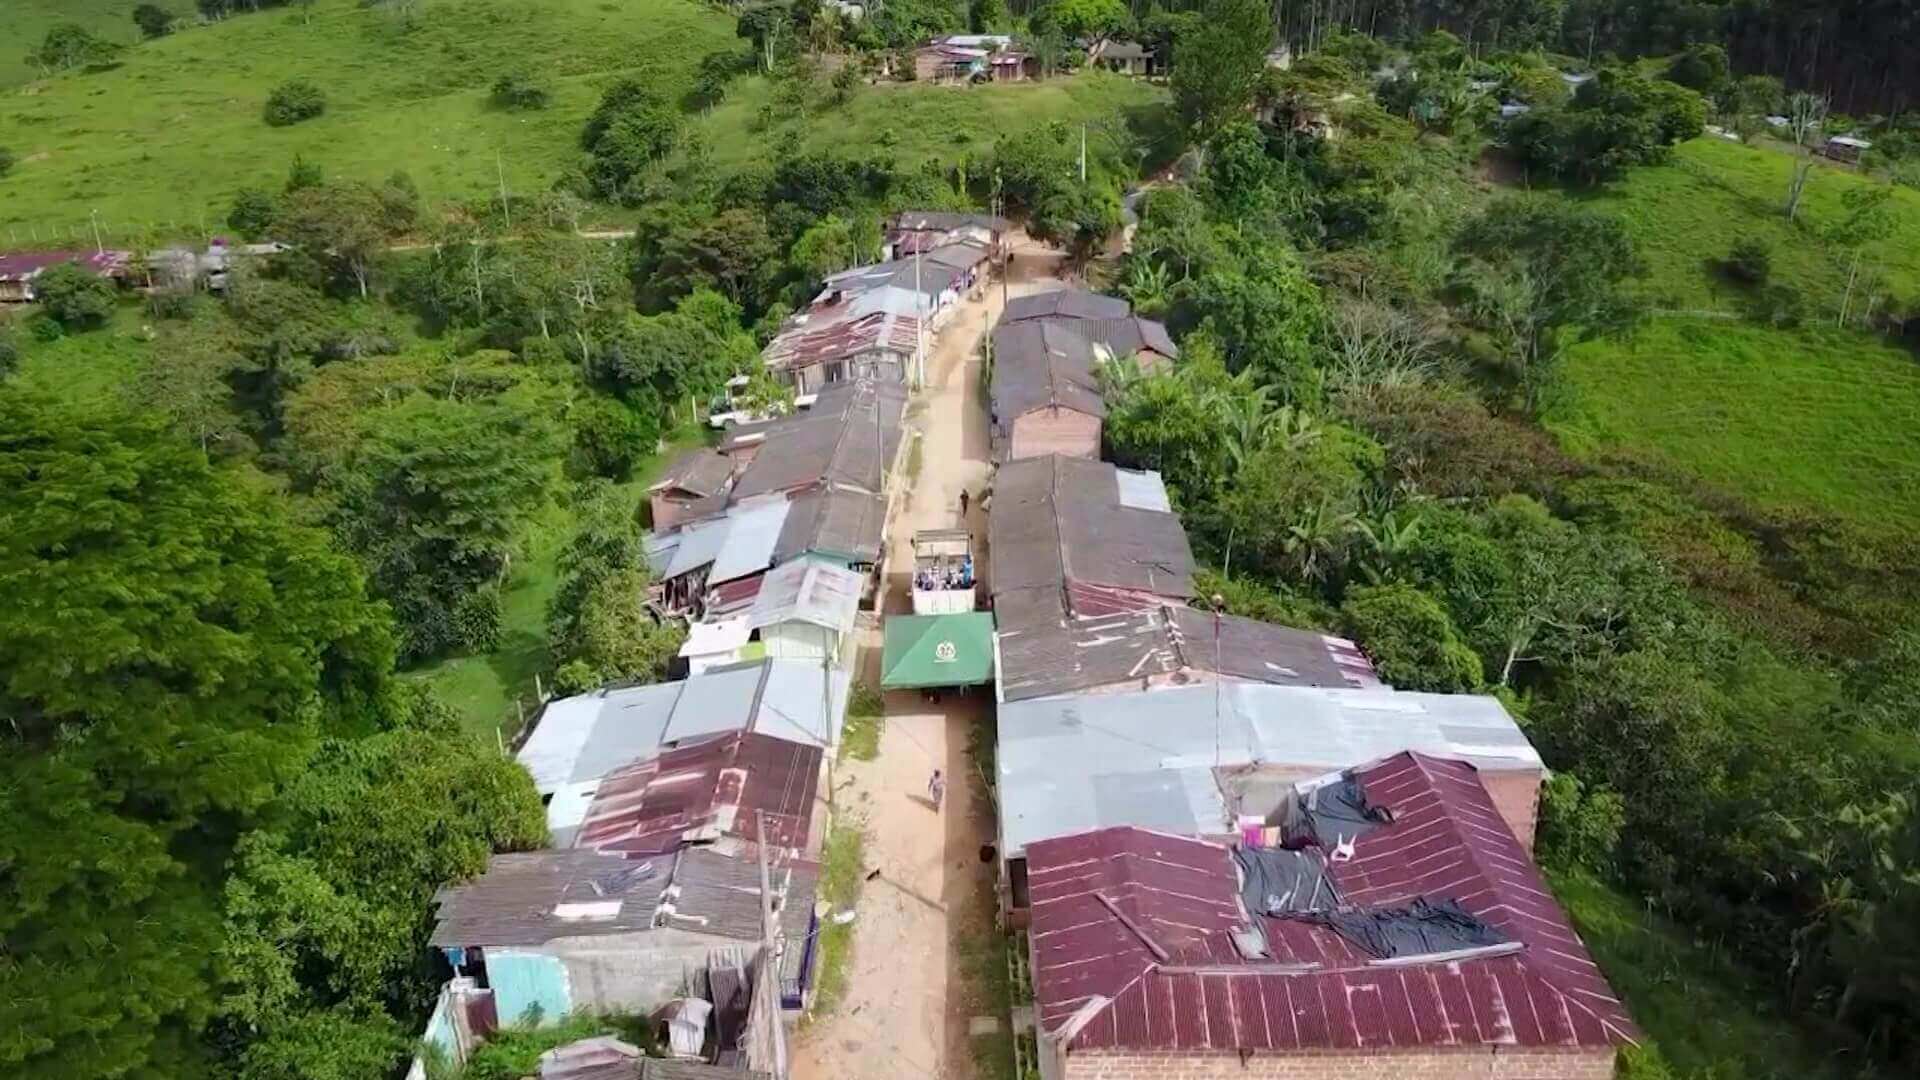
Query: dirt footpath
x: 907, y: 1008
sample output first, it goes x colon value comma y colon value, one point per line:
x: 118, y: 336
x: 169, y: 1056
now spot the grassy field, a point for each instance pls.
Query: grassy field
x: 1818, y: 418
x: 1687, y: 213
x: 23, y: 23
x: 1813, y: 417
x: 920, y: 122
x: 175, y: 130
x: 161, y: 142
x: 1705, y: 1014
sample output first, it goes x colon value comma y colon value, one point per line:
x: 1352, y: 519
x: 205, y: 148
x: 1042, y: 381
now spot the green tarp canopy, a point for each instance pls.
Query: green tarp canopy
x: 938, y: 650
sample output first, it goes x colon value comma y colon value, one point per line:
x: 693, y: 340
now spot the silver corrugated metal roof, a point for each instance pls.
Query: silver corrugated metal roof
x: 1142, y: 490
x: 795, y: 706
x: 699, y: 545
x: 590, y: 735
x: 752, y: 532
x: 1075, y: 763
x: 719, y: 699
x: 811, y: 592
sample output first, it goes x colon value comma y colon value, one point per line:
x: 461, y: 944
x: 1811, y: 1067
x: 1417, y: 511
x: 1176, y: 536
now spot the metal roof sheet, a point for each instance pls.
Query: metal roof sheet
x: 1067, y: 764
x: 724, y: 785
x: 698, y: 472
x: 824, y: 595
x: 1066, y: 303
x: 1167, y: 977
x: 589, y: 735
x: 718, y: 699
x: 837, y: 523
x: 1043, y: 364
x: 1057, y: 523
x: 848, y: 439
x: 699, y: 545
x: 752, y: 532
x: 521, y: 899
x: 1169, y: 642
x: 1142, y: 491
x: 803, y: 701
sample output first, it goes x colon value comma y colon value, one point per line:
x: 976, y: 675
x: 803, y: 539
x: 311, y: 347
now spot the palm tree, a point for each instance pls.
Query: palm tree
x: 1317, y: 540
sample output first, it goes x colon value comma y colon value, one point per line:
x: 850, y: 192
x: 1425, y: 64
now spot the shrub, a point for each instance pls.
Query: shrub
x: 252, y: 213
x: 74, y: 297
x: 1780, y: 305
x: 476, y: 620
x: 7, y: 161
x: 153, y: 20
x: 1412, y: 642
x: 294, y: 101
x: 1750, y: 261
x: 520, y: 90
x: 609, y: 437
x: 1579, y: 826
x: 9, y: 353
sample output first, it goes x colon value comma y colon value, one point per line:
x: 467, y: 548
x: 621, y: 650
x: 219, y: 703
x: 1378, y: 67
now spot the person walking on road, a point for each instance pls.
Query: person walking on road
x: 936, y: 789
x: 963, y: 505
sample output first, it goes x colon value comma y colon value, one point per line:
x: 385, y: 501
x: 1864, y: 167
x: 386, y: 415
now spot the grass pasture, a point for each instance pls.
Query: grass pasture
x: 1706, y: 1015
x: 160, y: 142
x: 23, y: 23
x: 1816, y: 418
x: 1687, y: 213
x: 172, y: 132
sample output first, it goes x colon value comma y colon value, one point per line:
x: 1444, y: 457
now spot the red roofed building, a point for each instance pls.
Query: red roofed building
x: 721, y: 787
x: 1146, y: 961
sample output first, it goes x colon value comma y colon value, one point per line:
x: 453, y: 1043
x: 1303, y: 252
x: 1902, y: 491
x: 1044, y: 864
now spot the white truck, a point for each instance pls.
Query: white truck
x: 943, y: 575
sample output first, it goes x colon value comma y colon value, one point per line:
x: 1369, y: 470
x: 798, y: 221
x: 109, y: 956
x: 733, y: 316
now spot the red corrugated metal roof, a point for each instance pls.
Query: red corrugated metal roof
x: 704, y: 790
x: 1131, y: 948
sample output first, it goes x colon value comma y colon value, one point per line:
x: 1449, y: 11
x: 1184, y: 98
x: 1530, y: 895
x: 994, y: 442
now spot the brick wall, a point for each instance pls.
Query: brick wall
x: 1478, y: 1063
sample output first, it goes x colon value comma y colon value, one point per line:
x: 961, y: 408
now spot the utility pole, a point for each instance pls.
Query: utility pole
x: 506, y: 210
x: 93, y: 218
x: 763, y: 993
x: 919, y: 325
x: 1083, y: 153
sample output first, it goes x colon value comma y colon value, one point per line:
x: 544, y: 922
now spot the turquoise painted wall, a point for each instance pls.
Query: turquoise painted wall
x: 526, y: 982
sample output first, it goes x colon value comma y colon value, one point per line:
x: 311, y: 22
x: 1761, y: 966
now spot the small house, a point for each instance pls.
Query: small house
x: 1847, y: 148
x: 19, y: 270
x: 1403, y: 932
x: 555, y: 932
x: 1127, y: 58
x: 1045, y: 393
x: 1065, y: 304
x: 806, y: 611
x: 694, y: 486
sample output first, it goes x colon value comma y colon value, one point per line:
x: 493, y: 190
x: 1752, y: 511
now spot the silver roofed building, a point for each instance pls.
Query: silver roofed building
x: 1193, y: 760
x: 579, y: 741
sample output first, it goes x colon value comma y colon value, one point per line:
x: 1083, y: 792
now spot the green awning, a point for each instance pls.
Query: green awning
x: 938, y: 650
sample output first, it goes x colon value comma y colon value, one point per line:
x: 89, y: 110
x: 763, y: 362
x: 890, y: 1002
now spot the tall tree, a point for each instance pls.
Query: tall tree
x: 1218, y: 63
x: 173, y: 646
x: 1543, y: 274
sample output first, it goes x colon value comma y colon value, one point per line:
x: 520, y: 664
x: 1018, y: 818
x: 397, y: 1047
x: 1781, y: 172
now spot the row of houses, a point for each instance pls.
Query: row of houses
x: 1046, y: 357
x: 170, y: 267
x: 687, y: 818
x: 872, y: 322
x: 1232, y: 848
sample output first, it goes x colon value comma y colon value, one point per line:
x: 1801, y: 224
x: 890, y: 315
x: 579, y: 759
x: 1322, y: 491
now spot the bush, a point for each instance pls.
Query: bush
x: 476, y: 620
x: 1750, y: 261
x: 1780, y: 305
x: 154, y: 21
x: 610, y: 437
x: 1579, y: 826
x: 9, y: 353
x: 74, y: 297
x: 294, y: 101
x: 1412, y: 642
x: 171, y: 303
x: 252, y: 213
x: 7, y: 161
x: 519, y: 90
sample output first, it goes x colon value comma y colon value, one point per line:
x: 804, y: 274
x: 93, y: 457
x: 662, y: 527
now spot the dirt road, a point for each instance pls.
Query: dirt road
x: 907, y: 1008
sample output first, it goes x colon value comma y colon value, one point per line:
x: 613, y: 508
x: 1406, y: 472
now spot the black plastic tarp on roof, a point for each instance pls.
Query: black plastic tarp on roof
x: 1275, y: 881
x: 1421, y: 928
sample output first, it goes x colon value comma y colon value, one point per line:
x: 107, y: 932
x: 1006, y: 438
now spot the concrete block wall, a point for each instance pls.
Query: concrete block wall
x: 1478, y: 1063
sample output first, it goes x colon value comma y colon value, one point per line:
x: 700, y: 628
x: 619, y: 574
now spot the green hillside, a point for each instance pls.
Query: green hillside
x: 163, y: 140
x: 24, y: 22
x: 1690, y: 211
x: 171, y: 133
x: 1814, y: 417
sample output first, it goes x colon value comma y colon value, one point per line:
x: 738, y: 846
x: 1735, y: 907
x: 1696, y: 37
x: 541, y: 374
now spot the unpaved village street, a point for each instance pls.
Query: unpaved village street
x: 907, y: 1007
